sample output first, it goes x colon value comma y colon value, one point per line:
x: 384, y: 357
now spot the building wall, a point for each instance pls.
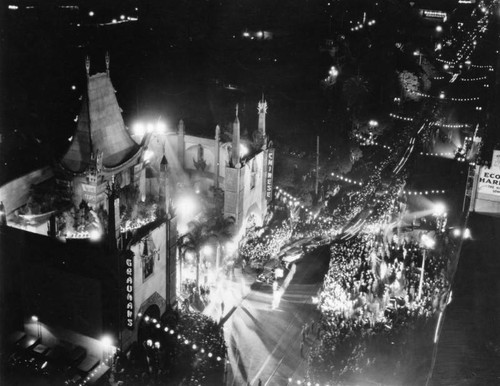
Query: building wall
x: 156, y: 282
x: 15, y: 193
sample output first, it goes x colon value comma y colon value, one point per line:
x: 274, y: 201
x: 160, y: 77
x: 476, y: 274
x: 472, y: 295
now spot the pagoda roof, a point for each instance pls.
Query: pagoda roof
x: 100, y: 128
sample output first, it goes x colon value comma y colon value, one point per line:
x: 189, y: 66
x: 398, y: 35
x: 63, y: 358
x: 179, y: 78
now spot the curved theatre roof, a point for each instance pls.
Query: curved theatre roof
x: 100, y: 128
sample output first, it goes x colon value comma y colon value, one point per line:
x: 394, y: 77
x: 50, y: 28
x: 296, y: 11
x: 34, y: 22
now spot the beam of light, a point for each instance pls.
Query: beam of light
x: 436, y: 333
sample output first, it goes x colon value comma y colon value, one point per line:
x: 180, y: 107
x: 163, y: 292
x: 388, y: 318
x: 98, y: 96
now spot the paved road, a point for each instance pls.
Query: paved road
x: 264, y: 343
x: 469, y: 344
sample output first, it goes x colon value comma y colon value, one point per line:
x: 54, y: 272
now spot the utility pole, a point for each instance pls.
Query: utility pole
x: 317, y: 166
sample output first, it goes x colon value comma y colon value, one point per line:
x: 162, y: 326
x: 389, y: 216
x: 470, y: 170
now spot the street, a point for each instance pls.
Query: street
x: 264, y: 343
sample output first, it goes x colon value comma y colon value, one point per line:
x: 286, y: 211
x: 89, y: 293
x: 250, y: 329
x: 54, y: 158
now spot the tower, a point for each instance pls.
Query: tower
x: 262, y: 110
x: 162, y: 191
x: 180, y: 143
x: 216, y: 161
x: 235, y: 151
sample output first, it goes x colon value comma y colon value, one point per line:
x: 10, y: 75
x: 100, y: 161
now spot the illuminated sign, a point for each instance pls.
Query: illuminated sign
x: 489, y: 181
x: 435, y: 14
x: 129, y: 291
x: 269, y: 174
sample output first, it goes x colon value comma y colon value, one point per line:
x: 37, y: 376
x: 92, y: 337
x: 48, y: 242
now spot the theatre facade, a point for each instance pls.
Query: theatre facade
x: 89, y: 244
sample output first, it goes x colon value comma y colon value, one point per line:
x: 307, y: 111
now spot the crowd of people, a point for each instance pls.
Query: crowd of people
x: 370, y: 297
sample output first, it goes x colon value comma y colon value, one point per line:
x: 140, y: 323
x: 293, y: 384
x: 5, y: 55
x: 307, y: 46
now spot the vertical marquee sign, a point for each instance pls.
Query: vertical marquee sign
x: 269, y: 174
x: 129, y: 290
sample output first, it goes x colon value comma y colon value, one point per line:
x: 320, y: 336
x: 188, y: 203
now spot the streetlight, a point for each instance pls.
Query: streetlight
x: 427, y: 243
x: 419, y: 54
x: 441, y: 95
x: 439, y: 209
x: 35, y: 319
x: 439, y: 28
x: 107, y: 344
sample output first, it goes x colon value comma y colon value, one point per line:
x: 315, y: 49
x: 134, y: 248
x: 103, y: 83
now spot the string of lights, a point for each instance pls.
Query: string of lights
x: 180, y: 337
x: 97, y: 369
x: 368, y: 142
x: 294, y: 201
x: 452, y: 125
x: 473, y: 79
x: 445, y: 154
x: 342, y: 178
x: 400, y: 117
x: 423, y: 192
x: 441, y: 96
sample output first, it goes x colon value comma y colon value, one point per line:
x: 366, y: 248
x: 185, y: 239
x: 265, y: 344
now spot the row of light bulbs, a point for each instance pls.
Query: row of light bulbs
x: 94, y: 372
x: 400, y: 117
x: 180, y: 337
x: 351, y: 181
x: 368, y: 141
x: 296, y: 202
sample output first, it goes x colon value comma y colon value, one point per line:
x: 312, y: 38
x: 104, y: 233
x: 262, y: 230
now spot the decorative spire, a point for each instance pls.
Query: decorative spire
x: 107, y: 63
x: 217, y: 133
x: 87, y: 65
x: 235, y: 151
x: 262, y: 110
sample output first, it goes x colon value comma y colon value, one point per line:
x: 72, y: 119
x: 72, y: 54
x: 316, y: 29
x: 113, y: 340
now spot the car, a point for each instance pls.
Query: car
x: 292, y: 255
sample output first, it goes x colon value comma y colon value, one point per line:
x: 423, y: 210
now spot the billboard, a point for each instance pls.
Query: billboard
x: 489, y: 181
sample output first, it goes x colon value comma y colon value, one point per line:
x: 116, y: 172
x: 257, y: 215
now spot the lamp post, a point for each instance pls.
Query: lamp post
x: 35, y: 319
x: 419, y: 54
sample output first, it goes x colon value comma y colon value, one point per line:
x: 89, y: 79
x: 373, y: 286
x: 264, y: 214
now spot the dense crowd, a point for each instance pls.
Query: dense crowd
x: 163, y: 358
x: 370, y: 293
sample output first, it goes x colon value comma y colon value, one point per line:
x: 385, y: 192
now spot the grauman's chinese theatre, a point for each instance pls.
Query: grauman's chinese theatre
x: 85, y: 245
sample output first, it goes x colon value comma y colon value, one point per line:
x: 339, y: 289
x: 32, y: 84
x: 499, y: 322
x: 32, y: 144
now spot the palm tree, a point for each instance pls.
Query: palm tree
x: 193, y: 241
x: 355, y: 90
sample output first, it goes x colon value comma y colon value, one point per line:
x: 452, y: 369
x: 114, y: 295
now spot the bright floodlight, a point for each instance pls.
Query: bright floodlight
x: 467, y: 234
x: 439, y: 28
x: 441, y: 95
x: 373, y: 123
x: 139, y: 128
x: 186, y: 206
x: 446, y: 66
x: 439, y: 209
x: 207, y: 250
x: 91, y: 13
x: 34, y: 318
x: 94, y: 234
x: 107, y: 341
x: 148, y: 154
x: 456, y: 232
x: 230, y: 247
x: 243, y: 150
x: 428, y: 242
x: 161, y: 127
x: 150, y: 127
